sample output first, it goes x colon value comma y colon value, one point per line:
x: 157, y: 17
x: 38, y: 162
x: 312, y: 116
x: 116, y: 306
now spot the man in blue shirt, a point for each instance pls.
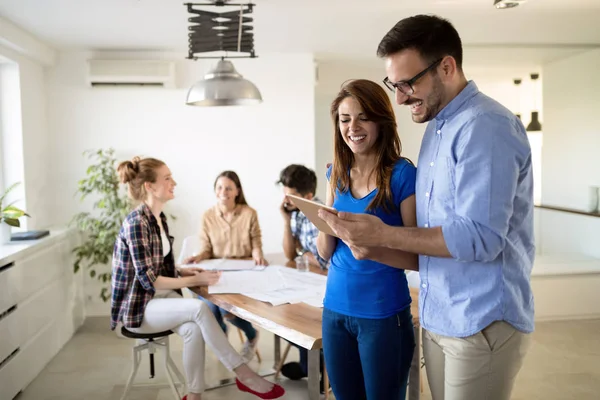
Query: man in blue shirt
x: 299, y: 239
x: 474, y: 232
x: 299, y: 234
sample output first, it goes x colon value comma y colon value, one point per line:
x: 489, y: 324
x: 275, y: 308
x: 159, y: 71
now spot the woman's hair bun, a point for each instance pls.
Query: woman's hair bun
x: 128, y: 170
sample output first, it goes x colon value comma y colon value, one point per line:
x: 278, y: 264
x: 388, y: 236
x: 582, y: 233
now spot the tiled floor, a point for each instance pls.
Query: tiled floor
x: 563, y: 363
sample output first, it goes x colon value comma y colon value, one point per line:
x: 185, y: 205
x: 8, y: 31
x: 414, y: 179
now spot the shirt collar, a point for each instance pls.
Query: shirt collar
x: 456, y: 103
x: 144, y: 209
x: 236, y: 211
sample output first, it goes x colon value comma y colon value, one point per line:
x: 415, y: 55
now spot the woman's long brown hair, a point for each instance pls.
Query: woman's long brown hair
x: 377, y: 107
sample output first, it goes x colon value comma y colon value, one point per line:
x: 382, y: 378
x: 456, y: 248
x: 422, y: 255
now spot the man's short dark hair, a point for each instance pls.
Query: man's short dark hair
x: 300, y: 178
x: 433, y: 37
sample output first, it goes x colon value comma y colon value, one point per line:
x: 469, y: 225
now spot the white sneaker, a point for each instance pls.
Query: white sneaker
x: 249, y: 350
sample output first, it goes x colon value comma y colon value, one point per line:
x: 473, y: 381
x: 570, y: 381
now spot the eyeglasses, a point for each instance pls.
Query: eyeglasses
x: 406, y: 86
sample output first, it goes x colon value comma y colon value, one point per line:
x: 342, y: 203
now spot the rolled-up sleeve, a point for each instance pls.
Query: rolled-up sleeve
x: 138, y: 240
x: 490, y: 155
x: 255, y: 233
x: 205, y: 243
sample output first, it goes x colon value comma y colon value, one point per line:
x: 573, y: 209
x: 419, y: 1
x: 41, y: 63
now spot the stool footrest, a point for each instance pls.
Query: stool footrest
x: 133, y: 335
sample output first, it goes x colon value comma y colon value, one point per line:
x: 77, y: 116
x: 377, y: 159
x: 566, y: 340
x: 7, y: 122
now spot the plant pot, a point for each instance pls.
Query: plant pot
x: 4, y: 233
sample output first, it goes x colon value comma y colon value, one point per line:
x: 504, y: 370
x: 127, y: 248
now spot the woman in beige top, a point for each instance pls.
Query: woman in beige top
x: 230, y: 229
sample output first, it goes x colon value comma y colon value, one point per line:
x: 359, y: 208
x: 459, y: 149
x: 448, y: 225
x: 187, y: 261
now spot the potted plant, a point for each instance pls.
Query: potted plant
x: 100, y: 227
x: 10, y: 214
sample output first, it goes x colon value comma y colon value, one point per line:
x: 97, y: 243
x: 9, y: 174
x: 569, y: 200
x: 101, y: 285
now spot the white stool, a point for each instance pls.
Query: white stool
x: 152, y: 342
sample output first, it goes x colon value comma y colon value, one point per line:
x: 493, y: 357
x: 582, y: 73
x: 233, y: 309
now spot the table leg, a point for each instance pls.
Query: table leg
x: 314, y: 359
x: 276, y: 351
x: 414, y: 376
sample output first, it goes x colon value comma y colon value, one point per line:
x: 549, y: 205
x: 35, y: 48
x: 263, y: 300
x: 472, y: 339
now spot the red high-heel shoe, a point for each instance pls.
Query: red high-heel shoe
x: 276, y: 392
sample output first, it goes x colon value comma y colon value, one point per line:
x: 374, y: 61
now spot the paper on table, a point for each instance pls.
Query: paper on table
x: 223, y: 264
x: 304, y: 287
x: 295, y: 278
x: 316, y: 301
x: 281, y: 296
x: 248, y: 282
x: 313, y: 285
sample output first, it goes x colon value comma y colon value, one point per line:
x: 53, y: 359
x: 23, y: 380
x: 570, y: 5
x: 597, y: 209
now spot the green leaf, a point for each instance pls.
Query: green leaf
x: 12, y: 212
x: 12, y: 222
x: 104, y: 294
x: 92, y: 273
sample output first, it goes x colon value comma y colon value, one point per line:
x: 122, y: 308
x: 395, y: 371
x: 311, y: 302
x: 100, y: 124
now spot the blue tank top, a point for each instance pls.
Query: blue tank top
x: 365, y: 288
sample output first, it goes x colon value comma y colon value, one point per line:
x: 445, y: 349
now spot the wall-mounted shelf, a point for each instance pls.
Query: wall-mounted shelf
x: 569, y: 210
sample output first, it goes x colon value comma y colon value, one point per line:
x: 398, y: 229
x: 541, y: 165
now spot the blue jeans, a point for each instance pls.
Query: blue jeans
x: 236, y: 321
x: 368, y: 358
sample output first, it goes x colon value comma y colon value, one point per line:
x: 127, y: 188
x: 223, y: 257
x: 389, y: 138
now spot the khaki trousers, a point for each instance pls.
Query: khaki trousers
x: 483, y: 366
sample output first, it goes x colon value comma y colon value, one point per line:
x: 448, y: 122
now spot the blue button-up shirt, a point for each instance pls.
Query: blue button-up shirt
x: 475, y: 180
x: 306, y: 233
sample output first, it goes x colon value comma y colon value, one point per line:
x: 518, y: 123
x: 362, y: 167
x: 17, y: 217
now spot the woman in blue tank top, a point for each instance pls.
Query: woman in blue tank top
x: 368, y: 338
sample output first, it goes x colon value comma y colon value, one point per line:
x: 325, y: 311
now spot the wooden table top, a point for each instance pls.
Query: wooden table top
x: 299, y: 323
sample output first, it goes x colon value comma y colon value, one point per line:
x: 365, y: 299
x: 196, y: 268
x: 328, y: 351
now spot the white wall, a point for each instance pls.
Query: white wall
x: 570, y: 158
x: 197, y: 143
x: 571, y: 129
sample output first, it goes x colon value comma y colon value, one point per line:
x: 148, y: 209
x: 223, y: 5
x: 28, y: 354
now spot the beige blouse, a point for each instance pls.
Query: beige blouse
x: 234, y: 239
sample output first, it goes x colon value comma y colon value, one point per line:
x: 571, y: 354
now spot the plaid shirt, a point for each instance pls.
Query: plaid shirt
x: 306, y: 233
x: 137, y: 261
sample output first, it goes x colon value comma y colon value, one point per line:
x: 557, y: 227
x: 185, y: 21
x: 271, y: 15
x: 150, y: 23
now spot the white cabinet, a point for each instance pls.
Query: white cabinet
x: 41, y: 307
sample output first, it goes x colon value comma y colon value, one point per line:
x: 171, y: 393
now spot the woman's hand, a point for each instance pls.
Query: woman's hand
x: 205, y: 255
x: 191, y: 260
x: 259, y: 259
x: 205, y: 278
x: 191, y: 278
x: 189, y: 271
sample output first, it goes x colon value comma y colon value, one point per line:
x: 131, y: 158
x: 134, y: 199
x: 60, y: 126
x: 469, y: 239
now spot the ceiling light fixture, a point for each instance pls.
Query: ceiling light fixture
x: 503, y: 4
x: 517, y: 82
x: 222, y: 32
x: 223, y: 86
x: 535, y: 124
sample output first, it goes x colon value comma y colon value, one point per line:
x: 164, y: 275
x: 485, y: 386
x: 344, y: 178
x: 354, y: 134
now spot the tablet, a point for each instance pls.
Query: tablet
x: 310, y: 209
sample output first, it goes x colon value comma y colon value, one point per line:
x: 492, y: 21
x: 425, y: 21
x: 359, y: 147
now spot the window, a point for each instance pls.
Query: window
x: 536, y: 140
x: 11, y: 137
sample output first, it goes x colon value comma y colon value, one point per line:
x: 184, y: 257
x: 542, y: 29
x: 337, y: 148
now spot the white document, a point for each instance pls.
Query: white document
x: 279, y: 297
x: 248, y: 282
x: 316, y: 301
x: 295, y: 278
x: 306, y: 287
x: 223, y: 264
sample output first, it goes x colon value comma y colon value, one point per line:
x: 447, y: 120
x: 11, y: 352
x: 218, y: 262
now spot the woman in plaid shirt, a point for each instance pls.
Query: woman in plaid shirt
x: 146, y: 288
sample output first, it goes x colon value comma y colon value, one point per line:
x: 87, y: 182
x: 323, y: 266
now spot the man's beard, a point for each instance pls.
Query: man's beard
x: 432, y: 103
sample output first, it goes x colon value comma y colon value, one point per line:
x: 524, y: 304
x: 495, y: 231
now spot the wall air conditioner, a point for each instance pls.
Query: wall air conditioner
x: 142, y: 73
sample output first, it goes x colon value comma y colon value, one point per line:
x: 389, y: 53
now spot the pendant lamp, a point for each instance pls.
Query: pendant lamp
x: 221, y: 31
x: 535, y: 124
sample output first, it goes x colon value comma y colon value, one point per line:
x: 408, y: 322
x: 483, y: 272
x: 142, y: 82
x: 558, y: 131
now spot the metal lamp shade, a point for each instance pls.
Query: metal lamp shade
x: 534, y: 125
x: 501, y: 4
x: 223, y: 86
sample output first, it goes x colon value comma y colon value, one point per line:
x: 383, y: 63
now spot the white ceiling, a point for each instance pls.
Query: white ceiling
x: 538, y: 31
